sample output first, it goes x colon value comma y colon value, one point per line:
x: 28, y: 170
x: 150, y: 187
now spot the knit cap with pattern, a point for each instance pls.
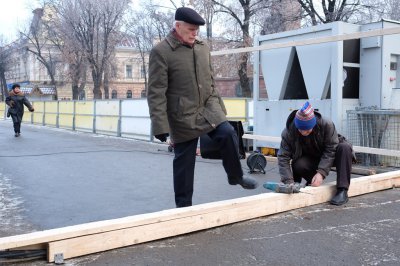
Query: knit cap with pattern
x: 305, y: 118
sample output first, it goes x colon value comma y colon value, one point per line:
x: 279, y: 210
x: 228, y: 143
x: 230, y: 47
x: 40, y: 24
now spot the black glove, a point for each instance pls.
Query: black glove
x: 162, y: 137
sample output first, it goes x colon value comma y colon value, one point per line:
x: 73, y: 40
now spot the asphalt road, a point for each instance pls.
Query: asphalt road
x: 50, y: 178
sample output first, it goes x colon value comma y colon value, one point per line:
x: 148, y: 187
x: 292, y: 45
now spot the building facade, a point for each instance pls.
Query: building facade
x: 128, y: 80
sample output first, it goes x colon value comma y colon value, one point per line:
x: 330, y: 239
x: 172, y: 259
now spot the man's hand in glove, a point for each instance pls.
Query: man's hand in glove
x: 162, y: 137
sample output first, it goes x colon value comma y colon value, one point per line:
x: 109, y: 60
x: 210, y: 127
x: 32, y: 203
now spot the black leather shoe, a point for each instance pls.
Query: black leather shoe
x: 245, y: 182
x: 340, y: 198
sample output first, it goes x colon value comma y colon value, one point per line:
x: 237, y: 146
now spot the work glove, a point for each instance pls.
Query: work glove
x: 162, y: 137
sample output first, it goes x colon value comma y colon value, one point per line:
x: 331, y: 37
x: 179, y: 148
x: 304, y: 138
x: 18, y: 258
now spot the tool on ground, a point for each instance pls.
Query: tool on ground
x: 284, y: 188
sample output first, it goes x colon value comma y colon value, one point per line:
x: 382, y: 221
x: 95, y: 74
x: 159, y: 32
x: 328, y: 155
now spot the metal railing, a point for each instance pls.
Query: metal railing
x: 375, y: 129
x: 121, y: 118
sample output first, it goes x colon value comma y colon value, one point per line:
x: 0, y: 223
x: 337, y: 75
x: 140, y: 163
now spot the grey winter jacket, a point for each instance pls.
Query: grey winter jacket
x: 182, y: 98
x: 324, y: 141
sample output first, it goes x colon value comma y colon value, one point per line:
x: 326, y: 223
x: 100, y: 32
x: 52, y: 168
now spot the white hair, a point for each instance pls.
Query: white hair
x: 177, y: 21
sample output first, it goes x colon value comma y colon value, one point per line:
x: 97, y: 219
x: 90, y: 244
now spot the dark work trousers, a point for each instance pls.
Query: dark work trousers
x: 185, y: 157
x: 306, y: 167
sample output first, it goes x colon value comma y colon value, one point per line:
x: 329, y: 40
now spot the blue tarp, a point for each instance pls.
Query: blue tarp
x: 24, y: 83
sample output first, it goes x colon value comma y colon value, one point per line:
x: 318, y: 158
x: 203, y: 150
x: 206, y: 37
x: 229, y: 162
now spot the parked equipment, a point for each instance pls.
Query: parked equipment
x: 256, y: 162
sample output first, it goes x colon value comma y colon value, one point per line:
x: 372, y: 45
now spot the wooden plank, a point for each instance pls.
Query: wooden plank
x: 354, y: 169
x: 377, y: 151
x: 359, y: 149
x: 211, y: 215
x: 359, y: 170
x: 336, y: 38
x: 103, y: 235
x: 46, y: 236
x: 262, y: 138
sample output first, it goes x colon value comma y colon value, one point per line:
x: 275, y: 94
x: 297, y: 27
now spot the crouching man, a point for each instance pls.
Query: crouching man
x: 310, y: 146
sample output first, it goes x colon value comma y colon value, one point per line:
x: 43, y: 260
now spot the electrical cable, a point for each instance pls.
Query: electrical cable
x: 9, y: 256
x: 72, y: 152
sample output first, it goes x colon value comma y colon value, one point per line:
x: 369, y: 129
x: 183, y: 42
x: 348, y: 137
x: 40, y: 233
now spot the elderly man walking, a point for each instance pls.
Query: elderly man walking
x: 184, y: 104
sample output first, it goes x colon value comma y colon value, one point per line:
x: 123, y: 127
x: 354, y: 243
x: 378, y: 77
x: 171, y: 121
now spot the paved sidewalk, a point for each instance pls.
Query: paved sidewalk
x: 54, y: 178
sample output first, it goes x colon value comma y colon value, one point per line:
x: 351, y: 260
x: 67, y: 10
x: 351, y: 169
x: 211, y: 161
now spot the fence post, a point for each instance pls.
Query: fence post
x: 94, y: 115
x: 74, y: 116
x: 31, y: 113
x: 119, y: 119
x: 44, y: 114
x: 58, y: 115
x: 247, y: 114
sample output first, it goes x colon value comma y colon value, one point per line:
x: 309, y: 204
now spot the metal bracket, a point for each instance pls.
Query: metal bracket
x: 59, y: 258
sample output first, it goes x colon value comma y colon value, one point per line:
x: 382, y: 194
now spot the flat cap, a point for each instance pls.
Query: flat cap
x: 188, y: 15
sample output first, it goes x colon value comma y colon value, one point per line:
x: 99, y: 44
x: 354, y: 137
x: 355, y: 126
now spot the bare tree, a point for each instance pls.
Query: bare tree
x: 77, y: 66
x: 146, y: 27
x: 207, y: 9
x: 326, y: 11
x: 242, y: 12
x: 109, y: 74
x: 381, y: 9
x: 161, y: 21
x: 39, y: 44
x: 283, y: 15
x: 95, y: 25
x: 392, y: 9
x: 143, y: 35
x: 71, y: 53
x: 77, y: 69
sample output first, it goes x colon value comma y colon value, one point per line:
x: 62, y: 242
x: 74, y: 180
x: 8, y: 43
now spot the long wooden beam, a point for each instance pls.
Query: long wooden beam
x: 360, y: 149
x: 211, y: 215
x: 99, y: 236
x: 336, y: 38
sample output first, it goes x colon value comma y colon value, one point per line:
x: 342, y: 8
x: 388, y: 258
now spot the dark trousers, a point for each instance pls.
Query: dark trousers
x: 16, y: 123
x: 185, y: 157
x: 306, y: 167
x: 17, y: 127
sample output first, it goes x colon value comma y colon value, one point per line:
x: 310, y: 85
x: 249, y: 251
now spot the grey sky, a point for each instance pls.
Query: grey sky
x: 14, y: 14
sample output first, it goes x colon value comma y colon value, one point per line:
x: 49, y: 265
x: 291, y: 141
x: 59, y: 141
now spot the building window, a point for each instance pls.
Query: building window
x: 142, y: 72
x: 129, y: 94
x: 128, y: 73
x: 114, y: 94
